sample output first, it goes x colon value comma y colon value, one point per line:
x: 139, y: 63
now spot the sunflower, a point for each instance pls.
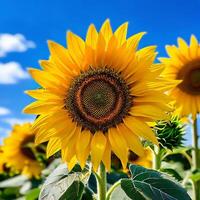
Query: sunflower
x: 184, y: 64
x: 97, y: 95
x: 2, y: 162
x: 145, y: 160
x: 19, y: 151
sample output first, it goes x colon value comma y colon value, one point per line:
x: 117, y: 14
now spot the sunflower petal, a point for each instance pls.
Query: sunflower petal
x: 53, y: 146
x: 118, y: 145
x: 141, y: 129
x: 82, y: 146
x: 92, y: 36
x: 121, y: 33
x: 98, y: 146
x: 132, y: 140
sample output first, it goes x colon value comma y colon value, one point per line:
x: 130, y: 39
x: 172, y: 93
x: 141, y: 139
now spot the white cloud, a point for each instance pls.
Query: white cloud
x: 11, y: 72
x: 4, y: 111
x: 14, y: 43
x: 3, y: 133
x: 11, y: 121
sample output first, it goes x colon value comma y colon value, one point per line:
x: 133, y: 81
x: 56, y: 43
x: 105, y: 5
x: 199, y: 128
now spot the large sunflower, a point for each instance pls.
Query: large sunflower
x: 97, y: 96
x: 19, y: 150
x: 184, y: 64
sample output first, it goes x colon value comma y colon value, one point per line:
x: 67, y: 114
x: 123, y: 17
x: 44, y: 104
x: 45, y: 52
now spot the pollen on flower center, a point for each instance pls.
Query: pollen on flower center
x: 190, y: 74
x: 98, y: 99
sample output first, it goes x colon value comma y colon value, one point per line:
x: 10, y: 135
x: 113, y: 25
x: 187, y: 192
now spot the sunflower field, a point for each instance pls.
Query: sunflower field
x: 112, y: 119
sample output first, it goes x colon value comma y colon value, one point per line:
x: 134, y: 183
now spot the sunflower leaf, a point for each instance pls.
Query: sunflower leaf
x: 16, y: 181
x: 148, y: 184
x: 61, y: 183
x: 74, y: 191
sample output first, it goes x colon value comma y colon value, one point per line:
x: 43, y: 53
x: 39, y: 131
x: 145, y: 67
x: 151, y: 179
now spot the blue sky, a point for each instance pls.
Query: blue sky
x: 25, y: 26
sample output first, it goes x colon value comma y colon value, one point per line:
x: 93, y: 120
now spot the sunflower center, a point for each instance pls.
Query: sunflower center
x: 190, y: 74
x: 98, y: 99
x: 195, y: 78
x: 26, y: 147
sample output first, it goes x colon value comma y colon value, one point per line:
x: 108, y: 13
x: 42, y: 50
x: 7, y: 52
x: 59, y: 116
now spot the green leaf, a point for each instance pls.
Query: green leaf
x: 33, y: 194
x: 60, y: 182
x: 146, y: 184
x: 173, y: 173
x: 74, y: 191
x: 119, y: 194
x: 195, y: 177
x: 88, y: 194
x: 16, y: 181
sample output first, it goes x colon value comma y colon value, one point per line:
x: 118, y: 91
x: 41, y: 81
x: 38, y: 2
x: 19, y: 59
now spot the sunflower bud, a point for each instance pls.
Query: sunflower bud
x: 170, y: 133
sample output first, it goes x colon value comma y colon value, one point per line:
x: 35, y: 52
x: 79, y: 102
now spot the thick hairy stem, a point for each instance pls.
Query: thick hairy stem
x: 101, y: 182
x: 195, y: 146
x: 195, y: 157
x: 156, y: 158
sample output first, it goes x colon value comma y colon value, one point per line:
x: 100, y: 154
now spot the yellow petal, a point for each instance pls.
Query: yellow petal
x: 194, y: 45
x: 106, y: 30
x: 107, y: 156
x: 134, y: 40
x: 98, y: 146
x: 83, y: 142
x: 69, y: 146
x: 121, y: 33
x: 183, y: 47
x: 100, y: 52
x: 72, y: 163
x: 43, y: 94
x: 149, y: 111
x: 62, y: 59
x: 118, y: 145
x: 53, y: 146
x: 76, y: 48
x: 92, y: 36
x: 43, y: 136
x: 140, y: 128
x: 132, y: 140
x: 41, y: 107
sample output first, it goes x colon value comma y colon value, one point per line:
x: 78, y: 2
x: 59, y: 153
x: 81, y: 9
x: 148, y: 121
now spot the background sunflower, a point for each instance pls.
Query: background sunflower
x: 2, y: 161
x: 184, y: 64
x: 20, y: 152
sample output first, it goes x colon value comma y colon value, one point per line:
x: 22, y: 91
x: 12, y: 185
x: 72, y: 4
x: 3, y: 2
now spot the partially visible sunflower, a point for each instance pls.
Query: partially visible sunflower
x: 184, y: 64
x: 2, y: 161
x: 19, y: 151
x: 146, y: 160
x: 97, y: 96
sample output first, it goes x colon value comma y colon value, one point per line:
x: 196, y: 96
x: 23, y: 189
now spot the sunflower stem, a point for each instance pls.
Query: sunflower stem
x: 111, y: 189
x: 196, y: 193
x: 195, y: 155
x: 101, y: 182
x: 195, y: 145
x: 156, y: 158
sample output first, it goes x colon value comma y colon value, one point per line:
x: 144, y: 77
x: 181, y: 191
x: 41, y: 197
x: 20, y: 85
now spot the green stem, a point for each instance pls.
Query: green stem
x: 112, y: 188
x: 195, y: 155
x: 101, y: 182
x: 196, y: 193
x: 156, y: 158
x: 195, y: 145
